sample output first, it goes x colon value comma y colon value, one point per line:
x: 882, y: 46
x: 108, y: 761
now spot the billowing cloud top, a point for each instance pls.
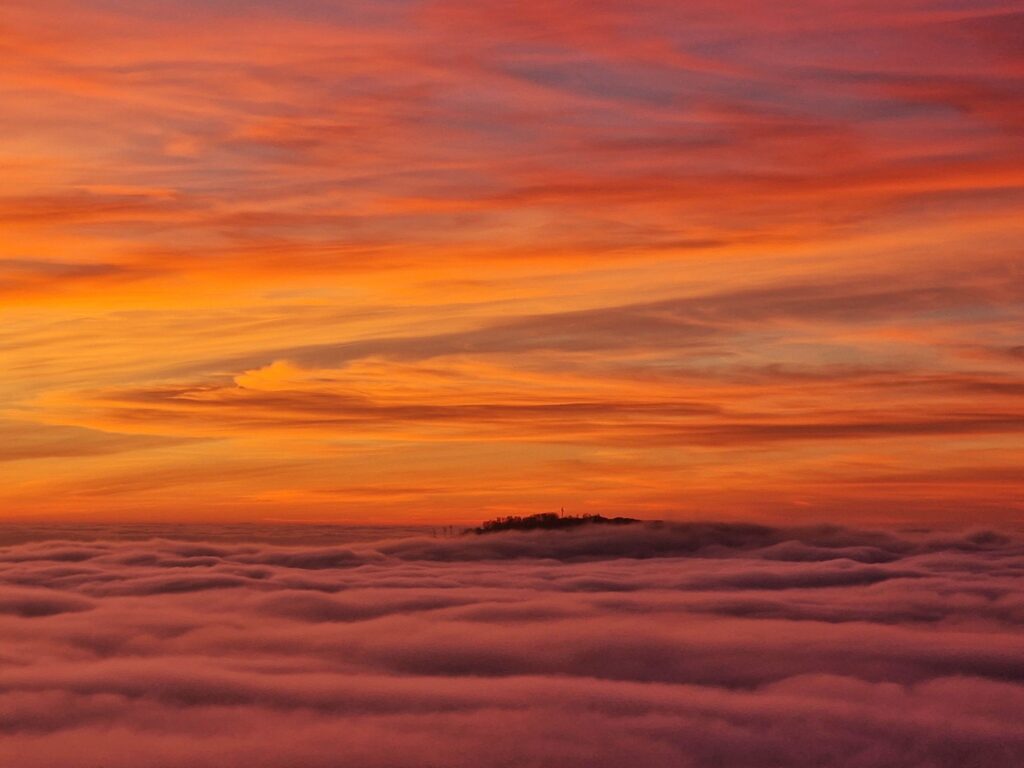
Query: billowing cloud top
x: 655, y: 646
x: 419, y: 258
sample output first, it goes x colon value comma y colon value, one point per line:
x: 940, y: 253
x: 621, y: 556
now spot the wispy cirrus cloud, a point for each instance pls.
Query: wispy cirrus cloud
x: 707, y: 236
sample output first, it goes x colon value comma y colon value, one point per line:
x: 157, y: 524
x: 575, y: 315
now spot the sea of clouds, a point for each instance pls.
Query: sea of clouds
x: 654, y: 645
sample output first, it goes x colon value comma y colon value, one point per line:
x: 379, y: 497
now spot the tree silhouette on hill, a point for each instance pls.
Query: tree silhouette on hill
x: 547, y: 521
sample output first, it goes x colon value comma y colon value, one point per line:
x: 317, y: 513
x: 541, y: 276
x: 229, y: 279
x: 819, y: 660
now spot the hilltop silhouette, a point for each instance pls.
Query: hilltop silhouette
x: 547, y: 521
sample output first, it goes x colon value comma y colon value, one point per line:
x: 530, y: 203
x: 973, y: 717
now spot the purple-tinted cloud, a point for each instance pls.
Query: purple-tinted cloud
x: 656, y: 645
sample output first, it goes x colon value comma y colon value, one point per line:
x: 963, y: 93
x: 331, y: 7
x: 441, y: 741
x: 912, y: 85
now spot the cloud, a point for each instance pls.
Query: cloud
x: 674, y: 325
x: 663, y: 645
x: 30, y: 603
x: 762, y: 249
x: 409, y: 385
x: 23, y: 440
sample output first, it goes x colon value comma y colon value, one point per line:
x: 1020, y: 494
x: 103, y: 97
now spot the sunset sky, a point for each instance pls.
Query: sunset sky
x: 433, y: 261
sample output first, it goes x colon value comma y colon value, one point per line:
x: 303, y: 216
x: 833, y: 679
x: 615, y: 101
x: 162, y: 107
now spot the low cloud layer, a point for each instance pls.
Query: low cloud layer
x: 660, y: 645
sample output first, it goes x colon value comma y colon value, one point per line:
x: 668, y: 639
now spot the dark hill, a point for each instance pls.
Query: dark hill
x: 547, y: 521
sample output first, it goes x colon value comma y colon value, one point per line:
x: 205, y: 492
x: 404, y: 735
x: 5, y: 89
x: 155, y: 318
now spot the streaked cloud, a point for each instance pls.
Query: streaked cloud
x: 700, y: 257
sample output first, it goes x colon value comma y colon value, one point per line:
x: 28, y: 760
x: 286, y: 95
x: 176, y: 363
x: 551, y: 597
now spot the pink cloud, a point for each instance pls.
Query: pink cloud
x: 691, y: 645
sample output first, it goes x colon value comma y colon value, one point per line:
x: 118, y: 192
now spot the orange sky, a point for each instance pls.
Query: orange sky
x: 435, y: 261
